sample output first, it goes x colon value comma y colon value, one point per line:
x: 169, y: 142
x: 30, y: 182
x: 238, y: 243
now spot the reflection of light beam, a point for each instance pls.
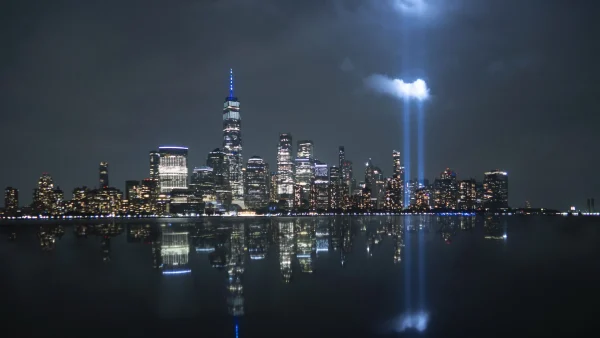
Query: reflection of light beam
x: 407, y: 279
x: 421, y: 268
x: 176, y: 272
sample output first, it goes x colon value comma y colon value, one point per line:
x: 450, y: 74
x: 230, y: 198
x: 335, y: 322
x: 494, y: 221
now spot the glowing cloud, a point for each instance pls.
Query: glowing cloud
x: 397, y: 87
x: 411, y: 6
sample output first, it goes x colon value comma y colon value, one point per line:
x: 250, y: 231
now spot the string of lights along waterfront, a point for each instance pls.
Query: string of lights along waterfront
x: 299, y: 184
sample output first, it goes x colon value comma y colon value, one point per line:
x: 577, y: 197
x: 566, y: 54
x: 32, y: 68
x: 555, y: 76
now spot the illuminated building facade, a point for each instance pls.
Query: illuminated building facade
x: 393, y: 194
x: 365, y: 202
x: 299, y: 200
x: 285, y: 169
x: 273, y: 196
x: 44, y: 197
x: 335, y: 188
x: 320, y: 187
x: 103, y: 175
x: 172, y: 168
x: 154, y: 163
x: 219, y: 162
x: 232, y: 141
x: 11, y: 199
x: 422, y: 199
x: 305, y: 164
x: 256, y: 183
x: 495, y: 190
x: 132, y: 190
x: 467, y: 195
x: 347, y: 179
x: 105, y: 201
x: 379, y: 192
x: 202, y: 183
x: 445, y: 190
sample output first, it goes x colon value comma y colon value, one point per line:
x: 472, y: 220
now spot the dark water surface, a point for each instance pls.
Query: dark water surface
x: 304, y: 277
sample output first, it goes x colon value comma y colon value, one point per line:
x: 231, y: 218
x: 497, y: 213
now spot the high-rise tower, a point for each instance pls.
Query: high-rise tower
x: 172, y: 168
x: 232, y: 141
x: 103, y: 175
x: 285, y: 169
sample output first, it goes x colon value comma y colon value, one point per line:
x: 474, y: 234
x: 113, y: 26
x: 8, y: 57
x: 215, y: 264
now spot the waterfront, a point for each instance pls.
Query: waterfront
x: 298, y: 277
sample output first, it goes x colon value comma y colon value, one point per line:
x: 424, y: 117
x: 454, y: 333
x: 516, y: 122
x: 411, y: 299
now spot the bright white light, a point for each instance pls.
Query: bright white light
x: 397, y: 87
x: 416, y: 321
x: 505, y: 236
x: 411, y: 6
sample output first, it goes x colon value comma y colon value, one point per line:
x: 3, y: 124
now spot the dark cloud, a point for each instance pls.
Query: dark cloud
x: 85, y: 81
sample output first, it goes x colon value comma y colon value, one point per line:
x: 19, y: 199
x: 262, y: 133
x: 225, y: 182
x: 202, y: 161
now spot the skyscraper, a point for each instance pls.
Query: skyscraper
x: 43, y: 195
x: 320, y: 188
x: 154, y: 163
x: 131, y: 190
x: 256, y: 183
x: 341, y: 156
x: 172, y: 168
x: 495, y: 190
x: 203, y: 183
x: 445, y: 190
x: 11, y: 199
x: 232, y: 141
x: 467, y: 192
x: 273, y: 196
x: 285, y: 169
x: 219, y: 161
x: 103, y: 175
x: 304, y: 166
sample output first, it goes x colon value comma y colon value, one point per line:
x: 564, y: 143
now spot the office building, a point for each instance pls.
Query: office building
x: 256, y: 183
x: 172, y: 168
x: 154, y: 163
x: 218, y: 160
x: 43, y: 195
x: 445, y: 190
x: 104, y: 175
x: 11, y: 199
x: 467, y: 192
x: 132, y: 190
x: 285, y: 169
x: 202, y: 183
x: 320, y: 187
x: 232, y: 141
x: 273, y: 196
x: 304, y: 165
x: 495, y: 190
x: 347, y: 179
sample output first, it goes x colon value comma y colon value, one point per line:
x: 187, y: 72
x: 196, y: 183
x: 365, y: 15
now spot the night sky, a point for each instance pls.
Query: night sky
x: 513, y: 86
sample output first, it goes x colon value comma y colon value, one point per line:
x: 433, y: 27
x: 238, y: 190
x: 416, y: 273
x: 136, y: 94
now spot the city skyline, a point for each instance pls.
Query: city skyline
x: 491, y: 105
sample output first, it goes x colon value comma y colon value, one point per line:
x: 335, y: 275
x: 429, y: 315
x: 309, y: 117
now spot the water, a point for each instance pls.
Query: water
x: 300, y: 277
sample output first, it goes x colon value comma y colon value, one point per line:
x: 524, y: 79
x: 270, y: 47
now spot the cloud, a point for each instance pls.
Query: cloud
x: 411, y: 6
x: 347, y: 65
x: 397, y: 87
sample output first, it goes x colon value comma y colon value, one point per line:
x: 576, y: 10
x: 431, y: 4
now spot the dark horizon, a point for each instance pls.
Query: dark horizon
x: 511, y: 82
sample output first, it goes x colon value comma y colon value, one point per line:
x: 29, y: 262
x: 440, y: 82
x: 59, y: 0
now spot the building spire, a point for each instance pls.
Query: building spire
x: 230, y: 82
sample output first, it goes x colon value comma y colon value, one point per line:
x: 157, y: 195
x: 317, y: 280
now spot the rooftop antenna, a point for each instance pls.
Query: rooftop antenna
x: 230, y: 82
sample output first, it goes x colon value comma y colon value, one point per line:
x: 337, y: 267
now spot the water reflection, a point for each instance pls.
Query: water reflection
x: 295, y: 244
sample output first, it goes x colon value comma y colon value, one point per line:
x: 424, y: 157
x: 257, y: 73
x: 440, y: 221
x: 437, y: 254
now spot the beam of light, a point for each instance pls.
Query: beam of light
x: 406, y: 152
x: 397, y: 88
x: 420, y: 144
x: 406, y: 321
